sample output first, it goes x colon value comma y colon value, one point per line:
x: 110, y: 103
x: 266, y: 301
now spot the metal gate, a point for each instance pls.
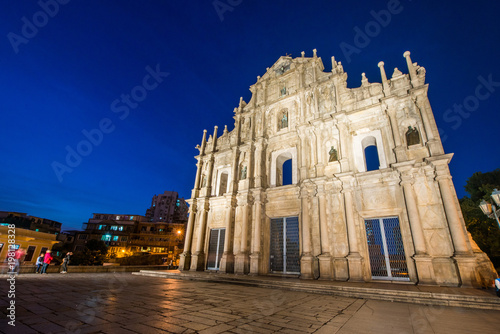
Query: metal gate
x: 215, y: 248
x: 284, y: 252
x: 385, y: 246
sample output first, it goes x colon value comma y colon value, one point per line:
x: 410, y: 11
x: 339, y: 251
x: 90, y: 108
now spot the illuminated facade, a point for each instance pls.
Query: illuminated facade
x: 324, y: 181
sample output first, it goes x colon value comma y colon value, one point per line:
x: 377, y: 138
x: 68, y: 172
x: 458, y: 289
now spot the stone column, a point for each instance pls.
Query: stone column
x: 325, y: 259
x: 198, y: 258
x: 227, y: 261
x: 307, y: 259
x: 257, y: 222
x: 422, y: 260
x: 242, y: 261
x: 234, y: 180
x: 303, y: 152
x: 343, y: 143
x: 185, y: 257
x: 399, y: 150
x: 258, y: 162
x: 423, y: 105
x: 354, y: 258
x: 463, y: 253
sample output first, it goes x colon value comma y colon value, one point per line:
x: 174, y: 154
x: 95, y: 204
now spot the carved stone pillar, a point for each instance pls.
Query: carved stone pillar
x: 185, y: 257
x: 198, y: 258
x: 343, y: 143
x: 422, y: 260
x: 227, y: 260
x: 399, y: 150
x: 354, y: 259
x: 258, y: 163
x: 242, y: 260
x: 307, y: 259
x: 463, y: 253
x: 325, y: 259
x: 257, y: 222
x: 434, y: 145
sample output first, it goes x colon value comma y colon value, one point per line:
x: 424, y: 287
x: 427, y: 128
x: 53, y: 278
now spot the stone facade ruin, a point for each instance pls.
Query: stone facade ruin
x: 292, y: 190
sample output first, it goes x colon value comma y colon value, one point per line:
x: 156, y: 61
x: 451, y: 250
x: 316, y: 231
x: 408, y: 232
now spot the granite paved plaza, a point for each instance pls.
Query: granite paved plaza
x: 126, y: 303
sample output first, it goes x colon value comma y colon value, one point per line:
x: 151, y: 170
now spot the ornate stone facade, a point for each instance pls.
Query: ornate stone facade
x: 335, y: 219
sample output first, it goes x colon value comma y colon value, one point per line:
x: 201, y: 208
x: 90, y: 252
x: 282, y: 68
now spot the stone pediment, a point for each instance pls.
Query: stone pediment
x: 281, y: 66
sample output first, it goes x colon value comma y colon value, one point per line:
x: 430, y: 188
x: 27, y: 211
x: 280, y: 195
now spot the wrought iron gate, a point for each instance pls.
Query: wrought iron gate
x: 215, y: 247
x: 284, y: 253
x: 385, y: 246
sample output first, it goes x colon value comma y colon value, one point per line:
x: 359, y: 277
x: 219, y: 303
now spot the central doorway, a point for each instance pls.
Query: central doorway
x: 215, y: 248
x: 385, y: 246
x: 284, y: 254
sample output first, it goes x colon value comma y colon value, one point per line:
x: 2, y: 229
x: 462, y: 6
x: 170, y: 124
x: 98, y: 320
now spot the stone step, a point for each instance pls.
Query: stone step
x: 472, y: 300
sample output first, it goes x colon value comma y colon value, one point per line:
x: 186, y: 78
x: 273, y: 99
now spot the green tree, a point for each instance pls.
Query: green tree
x: 484, y: 230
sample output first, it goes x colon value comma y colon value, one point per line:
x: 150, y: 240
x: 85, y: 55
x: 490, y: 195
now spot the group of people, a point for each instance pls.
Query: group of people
x: 44, y: 260
x: 12, y: 264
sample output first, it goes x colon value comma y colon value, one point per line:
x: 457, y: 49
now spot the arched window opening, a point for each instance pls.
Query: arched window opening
x: 370, y: 151
x: 287, y: 172
x: 284, y: 169
x: 371, y: 158
x: 223, y: 184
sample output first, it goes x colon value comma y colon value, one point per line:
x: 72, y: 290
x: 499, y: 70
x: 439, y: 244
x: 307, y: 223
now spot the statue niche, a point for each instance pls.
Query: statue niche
x: 333, y: 155
x: 412, y: 136
x: 283, y: 122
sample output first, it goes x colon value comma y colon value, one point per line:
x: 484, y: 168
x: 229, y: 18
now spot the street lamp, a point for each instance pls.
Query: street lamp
x: 489, y: 209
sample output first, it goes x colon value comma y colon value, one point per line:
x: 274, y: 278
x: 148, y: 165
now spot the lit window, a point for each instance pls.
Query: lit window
x: 114, y: 228
x: 120, y: 228
x: 115, y: 238
x: 100, y: 227
x: 106, y: 237
x: 118, y: 217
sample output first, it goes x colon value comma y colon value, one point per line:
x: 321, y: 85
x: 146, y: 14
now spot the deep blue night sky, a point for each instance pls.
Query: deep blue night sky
x: 70, y: 74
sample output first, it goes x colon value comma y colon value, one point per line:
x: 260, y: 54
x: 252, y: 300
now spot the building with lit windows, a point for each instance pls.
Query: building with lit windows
x: 132, y: 234
x: 168, y: 207
x: 324, y: 181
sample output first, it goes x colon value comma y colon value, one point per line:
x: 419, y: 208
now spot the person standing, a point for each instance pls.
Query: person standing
x: 65, y: 263
x: 39, y: 263
x: 18, y: 255
x: 46, y: 261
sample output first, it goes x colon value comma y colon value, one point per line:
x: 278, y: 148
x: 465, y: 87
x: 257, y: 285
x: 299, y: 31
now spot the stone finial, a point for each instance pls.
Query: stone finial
x: 241, y: 101
x: 314, y: 53
x: 385, y: 83
x: 258, y: 77
x: 411, y: 69
x: 203, y: 142
x: 303, y: 54
x: 267, y: 69
x: 225, y: 129
x: 334, y: 63
x: 364, y: 79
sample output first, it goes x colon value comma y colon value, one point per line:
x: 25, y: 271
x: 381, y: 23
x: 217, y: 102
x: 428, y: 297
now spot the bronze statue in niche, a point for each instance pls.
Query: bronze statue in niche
x: 333, y: 155
x: 412, y: 136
